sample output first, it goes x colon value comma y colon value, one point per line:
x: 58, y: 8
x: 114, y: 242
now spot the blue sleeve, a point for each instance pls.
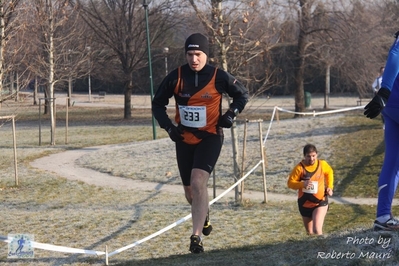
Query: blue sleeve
x: 391, y: 67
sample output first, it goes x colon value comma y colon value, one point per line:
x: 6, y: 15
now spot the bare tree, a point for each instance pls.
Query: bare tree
x: 8, y: 30
x: 241, y: 34
x: 55, y: 31
x: 304, y: 20
x: 329, y: 35
x: 363, y: 44
x: 120, y: 26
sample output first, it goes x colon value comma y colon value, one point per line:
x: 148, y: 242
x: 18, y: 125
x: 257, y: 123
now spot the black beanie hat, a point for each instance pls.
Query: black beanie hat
x: 197, y: 41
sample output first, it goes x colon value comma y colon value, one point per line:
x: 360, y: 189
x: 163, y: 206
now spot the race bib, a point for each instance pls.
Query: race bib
x: 192, y: 116
x: 314, y: 185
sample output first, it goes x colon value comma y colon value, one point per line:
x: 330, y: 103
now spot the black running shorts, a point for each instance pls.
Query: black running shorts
x: 203, y: 155
x: 307, y: 212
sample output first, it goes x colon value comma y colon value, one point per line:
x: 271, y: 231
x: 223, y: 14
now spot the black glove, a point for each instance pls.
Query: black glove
x: 375, y: 106
x: 227, y: 119
x: 396, y: 35
x: 175, y: 133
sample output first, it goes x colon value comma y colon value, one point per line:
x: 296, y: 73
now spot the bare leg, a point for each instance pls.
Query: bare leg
x: 318, y: 219
x: 188, y: 194
x: 308, y: 223
x: 199, y: 199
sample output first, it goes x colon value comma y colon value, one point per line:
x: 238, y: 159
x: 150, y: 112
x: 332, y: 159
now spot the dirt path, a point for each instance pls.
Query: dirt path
x: 64, y: 165
x: 68, y: 164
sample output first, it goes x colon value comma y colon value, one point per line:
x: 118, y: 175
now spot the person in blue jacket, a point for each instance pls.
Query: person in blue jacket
x: 386, y: 102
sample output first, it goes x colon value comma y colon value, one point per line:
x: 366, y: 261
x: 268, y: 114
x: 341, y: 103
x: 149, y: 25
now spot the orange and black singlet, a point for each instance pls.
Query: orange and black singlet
x: 198, y: 97
x: 312, y: 197
x: 198, y: 111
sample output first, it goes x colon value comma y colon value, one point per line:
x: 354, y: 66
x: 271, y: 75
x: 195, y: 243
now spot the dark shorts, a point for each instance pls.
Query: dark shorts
x: 203, y: 155
x: 307, y: 212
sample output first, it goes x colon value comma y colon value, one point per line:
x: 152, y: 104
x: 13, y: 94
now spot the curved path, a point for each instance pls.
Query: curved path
x: 63, y: 164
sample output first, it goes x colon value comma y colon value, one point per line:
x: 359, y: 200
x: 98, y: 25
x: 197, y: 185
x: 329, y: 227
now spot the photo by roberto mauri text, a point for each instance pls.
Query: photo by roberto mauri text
x: 377, y: 248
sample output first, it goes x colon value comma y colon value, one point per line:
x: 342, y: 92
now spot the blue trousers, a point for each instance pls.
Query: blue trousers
x: 389, y: 176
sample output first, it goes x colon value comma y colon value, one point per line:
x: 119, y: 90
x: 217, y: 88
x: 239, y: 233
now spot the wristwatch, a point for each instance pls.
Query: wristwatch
x: 235, y: 111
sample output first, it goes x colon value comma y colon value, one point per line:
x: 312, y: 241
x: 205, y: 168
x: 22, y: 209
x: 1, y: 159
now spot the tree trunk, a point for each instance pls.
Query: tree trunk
x: 304, y: 18
x: 299, y: 72
x: 46, y: 101
x: 12, y: 83
x: 16, y: 87
x: 2, y: 47
x: 327, y: 89
x: 35, y: 91
x: 51, y: 71
x: 128, y: 100
x: 69, y: 90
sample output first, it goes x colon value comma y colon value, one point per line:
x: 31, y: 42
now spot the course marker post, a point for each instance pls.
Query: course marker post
x: 14, y: 139
x: 244, y: 155
x: 262, y: 153
x: 106, y: 254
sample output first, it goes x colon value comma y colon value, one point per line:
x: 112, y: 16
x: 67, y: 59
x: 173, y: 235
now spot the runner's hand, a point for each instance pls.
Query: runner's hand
x: 227, y: 119
x: 175, y: 133
x: 375, y: 106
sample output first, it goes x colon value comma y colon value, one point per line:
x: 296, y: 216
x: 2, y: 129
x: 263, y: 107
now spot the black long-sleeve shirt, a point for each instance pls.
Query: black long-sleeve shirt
x: 192, y: 83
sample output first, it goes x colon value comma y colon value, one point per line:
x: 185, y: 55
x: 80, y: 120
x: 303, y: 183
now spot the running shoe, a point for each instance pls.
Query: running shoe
x: 207, y: 229
x: 196, y: 244
x: 390, y: 225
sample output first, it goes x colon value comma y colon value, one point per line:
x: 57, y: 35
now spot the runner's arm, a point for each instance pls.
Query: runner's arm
x: 294, y: 179
x: 225, y: 82
x: 161, y: 99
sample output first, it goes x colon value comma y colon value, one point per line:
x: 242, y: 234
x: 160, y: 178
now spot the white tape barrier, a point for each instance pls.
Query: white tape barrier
x: 150, y: 236
x: 181, y: 220
x: 93, y: 252
x: 56, y: 248
x: 314, y: 113
x: 235, y: 184
x: 270, y: 124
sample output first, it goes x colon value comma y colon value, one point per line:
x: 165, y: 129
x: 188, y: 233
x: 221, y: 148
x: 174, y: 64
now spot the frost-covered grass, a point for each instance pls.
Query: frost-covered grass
x: 74, y: 214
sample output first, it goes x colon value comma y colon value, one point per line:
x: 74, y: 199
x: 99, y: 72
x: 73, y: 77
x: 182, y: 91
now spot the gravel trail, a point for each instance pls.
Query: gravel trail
x: 151, y: 165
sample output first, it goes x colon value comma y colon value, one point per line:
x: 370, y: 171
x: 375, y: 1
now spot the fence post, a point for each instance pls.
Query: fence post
x: 262, y: 153
x: 244, y: 148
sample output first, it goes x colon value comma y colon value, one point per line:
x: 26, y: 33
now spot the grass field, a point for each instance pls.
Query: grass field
x: 73, y: 214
